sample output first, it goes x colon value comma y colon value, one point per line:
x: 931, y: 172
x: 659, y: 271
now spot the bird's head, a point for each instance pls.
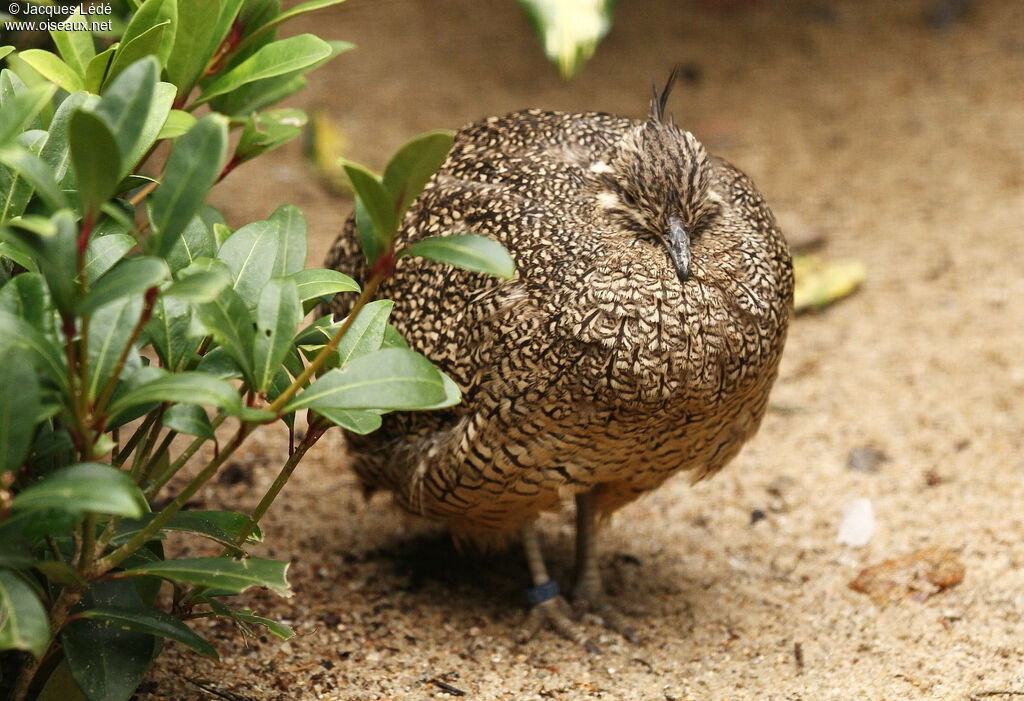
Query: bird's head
x: 659, y: 182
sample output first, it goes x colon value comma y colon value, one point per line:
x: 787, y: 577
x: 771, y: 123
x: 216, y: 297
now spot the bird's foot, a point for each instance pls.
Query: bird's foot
x: 555, y: 611
x: 594, y: 601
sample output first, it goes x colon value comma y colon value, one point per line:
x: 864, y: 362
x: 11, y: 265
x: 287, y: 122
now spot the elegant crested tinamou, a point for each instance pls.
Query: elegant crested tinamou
x: 640, y: 337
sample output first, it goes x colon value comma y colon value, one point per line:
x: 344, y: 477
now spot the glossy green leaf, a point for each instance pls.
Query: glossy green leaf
x: 96, y: 70
x: 178, y: 122
x: 366, y: 333
x: 220, y: 526
x: 290, y: 256
x: 5, y: 50
x: 375, y: 198
x: 191, y: 171
x: 468, y: 251
x: 87, y: 486
x: 183, y: 387
x: 393, y: 339
x: 47, y: 358
x: 55, y: 153
x: 130, y: 277
x: 150, y: 14
x: 354, y: 420
x: 409, y: 170
x: 193, y: 42
x: 315, y: 283
x: 55, y: 256
x: 26, y: 296
x: 34, y: 175
x: 222, y: 573
x: 110, y: 330
x: 103, y: 252
x: 24, y: 624
x: 18, y: 112
x: 282, y: 17
x: 200, y: 287
x: 188, y: 419
x: 18, y: 409
x: 168, y: 331
x: 129, y: 108
x: 277, y: 314
x: 76, y: 47
x: 275, y: 59
x: 96, y: 158
x: 151, y: 622
x: 196, y: 241
x: 265, y: 131
x: 230, y: 323
x: 262, y: 93
x: 107, y: 661
x: 140, y: 47
x: 371, y: 243
x: 250, y: 254
x: 387, y: 379
x: 53, y: 69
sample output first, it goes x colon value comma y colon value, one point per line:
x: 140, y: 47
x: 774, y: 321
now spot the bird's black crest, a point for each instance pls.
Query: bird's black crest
x: 660, y: 99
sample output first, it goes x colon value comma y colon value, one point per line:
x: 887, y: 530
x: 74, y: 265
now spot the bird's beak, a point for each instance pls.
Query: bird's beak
x: 678, y: 242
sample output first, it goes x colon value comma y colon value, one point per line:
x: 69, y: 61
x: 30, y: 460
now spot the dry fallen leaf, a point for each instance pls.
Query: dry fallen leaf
x: 821, y: 282
x: 917, y: 576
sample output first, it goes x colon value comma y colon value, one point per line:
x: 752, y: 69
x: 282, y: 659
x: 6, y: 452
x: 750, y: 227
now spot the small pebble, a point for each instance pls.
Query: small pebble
x: 865, y: 458
x: 858, y: 524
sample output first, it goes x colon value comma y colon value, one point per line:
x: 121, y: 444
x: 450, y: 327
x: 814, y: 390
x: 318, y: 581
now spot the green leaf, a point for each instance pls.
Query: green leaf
x: 196, y: 241
x: 366, y: 333
x: 469, y: 251
x: 178, y: 122
x: 188, y: 419
x: 24, y: 624
x: 87, y: 486
x: 276, y: 629
x: 61, y: 686
x: 250, y: 254
x: 221, y: 573
x: 371, y: 243
x: 53, y: 69
x: 76, y: 47
x: 107, y: 661
x: 260, y: 94
x: 376, y: 199
x: 35, y: 173
x: 393, y: 339
x: 18, y: 409
x: 290, y: 256
x: 569, y: 31
x: 300, y: 9
x: 96, y: 70
x: 26, y: 296
x: 151, y: 14
x: 317, y: 283
x: 185, y: 388
x: 199, y: 287
x: 5, y: 50
x: 387, y: 379
x: 354, y: 420
x: 277, y: 314
x: 193, y: 42
x: 409, y: 170
x: 130, y: 277
x: 18, y: 112
x: 230, y: 323
x: 152, y: 622
x: 103, y: 252
x: 191, y: 171
x: 220, y: 526
x: 129, y: 108
x: 96, y: 158
x: 275, y: 59
x: 168, y: 332
x: 110, y: 330
x: 55, y: 152
x: 142, y: 46
x: 265, y: 131
x: 44, y: 353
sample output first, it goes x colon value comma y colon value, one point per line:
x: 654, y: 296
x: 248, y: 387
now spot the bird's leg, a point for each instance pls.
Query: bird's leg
x: 588, y: 594
x: 548, y: 605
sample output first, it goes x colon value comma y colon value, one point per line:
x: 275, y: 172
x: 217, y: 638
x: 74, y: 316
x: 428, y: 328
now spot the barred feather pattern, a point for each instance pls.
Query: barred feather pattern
x: 598, y: 367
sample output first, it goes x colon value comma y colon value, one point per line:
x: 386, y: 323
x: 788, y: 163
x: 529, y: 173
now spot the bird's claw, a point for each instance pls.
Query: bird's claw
x: 556, y: 612
x: 610, y: 616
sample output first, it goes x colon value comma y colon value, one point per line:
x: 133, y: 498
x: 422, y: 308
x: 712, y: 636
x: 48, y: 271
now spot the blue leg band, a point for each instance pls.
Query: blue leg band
x: 544, y: 592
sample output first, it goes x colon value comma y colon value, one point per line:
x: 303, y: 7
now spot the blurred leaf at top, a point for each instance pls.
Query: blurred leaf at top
x: 569, y: 29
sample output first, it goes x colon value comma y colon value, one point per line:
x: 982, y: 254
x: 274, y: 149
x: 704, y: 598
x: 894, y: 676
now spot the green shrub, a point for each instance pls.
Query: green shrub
x: 131, y: 315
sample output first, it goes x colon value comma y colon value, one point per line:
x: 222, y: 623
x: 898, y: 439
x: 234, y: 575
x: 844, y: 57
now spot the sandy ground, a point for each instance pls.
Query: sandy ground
x: 903, y: 145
